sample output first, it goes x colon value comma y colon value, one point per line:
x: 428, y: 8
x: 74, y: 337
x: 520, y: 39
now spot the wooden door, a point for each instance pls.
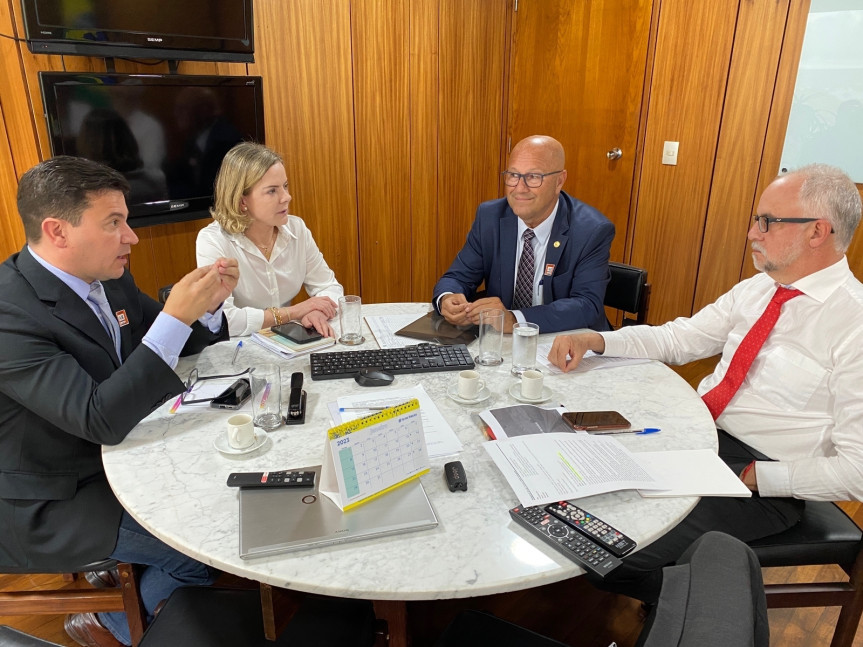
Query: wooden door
x: 577, y: 73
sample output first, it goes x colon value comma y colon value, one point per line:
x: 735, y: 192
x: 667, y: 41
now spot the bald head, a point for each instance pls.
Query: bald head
x: 542, y: 146
x: 535, y: 156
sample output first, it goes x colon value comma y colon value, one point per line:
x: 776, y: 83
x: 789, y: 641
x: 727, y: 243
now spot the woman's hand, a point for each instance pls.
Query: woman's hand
x: 324, y: 305
x: 317, y: 320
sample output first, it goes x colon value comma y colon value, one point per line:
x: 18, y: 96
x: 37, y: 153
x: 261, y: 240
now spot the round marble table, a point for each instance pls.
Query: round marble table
x: 171, y: 479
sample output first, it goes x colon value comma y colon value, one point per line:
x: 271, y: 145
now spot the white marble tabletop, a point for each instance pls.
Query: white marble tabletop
x: 172, y: 480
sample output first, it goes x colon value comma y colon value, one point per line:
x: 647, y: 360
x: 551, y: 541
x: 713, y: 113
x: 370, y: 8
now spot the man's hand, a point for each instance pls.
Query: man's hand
x: 202, y: 290
x: 452, y: 307
x: 567, y: 350
x: 318, y: 320
x: 324, y: 305
x: 473, y: 310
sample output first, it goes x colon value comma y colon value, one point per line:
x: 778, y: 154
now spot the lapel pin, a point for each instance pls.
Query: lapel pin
x: 557, y: 243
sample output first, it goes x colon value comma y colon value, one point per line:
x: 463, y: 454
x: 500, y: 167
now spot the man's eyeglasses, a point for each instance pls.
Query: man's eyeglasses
x: 764, y: 222
x: 532, y: 180
x: 194, y: 378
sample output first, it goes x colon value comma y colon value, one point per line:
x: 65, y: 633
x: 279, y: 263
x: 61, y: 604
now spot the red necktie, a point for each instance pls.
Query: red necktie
x: 720, y: 395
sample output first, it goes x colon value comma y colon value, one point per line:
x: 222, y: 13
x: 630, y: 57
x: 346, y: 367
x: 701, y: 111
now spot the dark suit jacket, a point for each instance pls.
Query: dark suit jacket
x: 63, y: 394
x: 572, y: 295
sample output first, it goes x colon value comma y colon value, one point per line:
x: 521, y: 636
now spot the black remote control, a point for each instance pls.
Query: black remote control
x: 271, y: 479
x: 583, y: 551
x: 612, y: 539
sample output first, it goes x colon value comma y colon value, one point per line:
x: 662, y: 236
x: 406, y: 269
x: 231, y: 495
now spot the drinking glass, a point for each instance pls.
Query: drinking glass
x: 351, y: 320
x: 524, y: 340
x: 490, y: 337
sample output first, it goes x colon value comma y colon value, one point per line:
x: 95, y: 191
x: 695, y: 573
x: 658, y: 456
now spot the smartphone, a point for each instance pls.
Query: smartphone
x: 234, y: 397
x: 595, y: 420
x: 297, y: 333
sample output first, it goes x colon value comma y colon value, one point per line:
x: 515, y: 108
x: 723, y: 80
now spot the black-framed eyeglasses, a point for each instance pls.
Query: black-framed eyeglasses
x: 194, y: 378
x: 763, y: 222
x: 531, y: 180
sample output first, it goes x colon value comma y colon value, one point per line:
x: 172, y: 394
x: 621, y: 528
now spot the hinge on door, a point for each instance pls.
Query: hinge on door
x: 516, y: 6
x: 508, y: 145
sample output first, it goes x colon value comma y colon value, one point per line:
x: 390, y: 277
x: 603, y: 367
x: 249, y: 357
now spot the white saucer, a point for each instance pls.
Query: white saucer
x: 481, y: 396
x: 221, y: 443
x: 515, y: 391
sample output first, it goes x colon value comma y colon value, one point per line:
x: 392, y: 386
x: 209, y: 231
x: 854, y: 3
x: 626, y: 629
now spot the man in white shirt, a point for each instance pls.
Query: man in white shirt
x: 792, y: 425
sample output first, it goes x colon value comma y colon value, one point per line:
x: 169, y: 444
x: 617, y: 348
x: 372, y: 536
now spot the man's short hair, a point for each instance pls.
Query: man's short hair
x: 827, y: 192
x: 61, y: 188
x: 243, y: 167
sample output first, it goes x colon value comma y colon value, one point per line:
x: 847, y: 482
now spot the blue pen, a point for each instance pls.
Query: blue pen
x: 237, y: 352
x: 646, y: 430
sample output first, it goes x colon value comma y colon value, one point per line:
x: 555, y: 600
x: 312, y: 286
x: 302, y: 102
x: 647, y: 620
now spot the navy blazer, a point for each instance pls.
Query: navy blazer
x: 572, y: 295
x: 63, y: 394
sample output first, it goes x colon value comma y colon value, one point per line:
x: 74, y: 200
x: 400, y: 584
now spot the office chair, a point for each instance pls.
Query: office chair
x: 126, y: 598
x: 825, y: 535
x: 164, y: 291
x: 628, y: 291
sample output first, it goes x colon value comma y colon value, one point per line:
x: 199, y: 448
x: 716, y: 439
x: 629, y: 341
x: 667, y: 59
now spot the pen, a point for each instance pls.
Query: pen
x: 646, y: 430
x: 362, y: 408
x: 237, y: 352
x: 266, y: 395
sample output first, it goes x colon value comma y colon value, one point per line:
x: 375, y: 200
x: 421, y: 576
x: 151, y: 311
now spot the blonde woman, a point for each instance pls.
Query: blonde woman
x: 276, y: 252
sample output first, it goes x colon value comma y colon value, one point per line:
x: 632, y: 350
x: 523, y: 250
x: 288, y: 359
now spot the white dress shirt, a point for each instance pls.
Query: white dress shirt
x: 295, y: 262
x: 801, y: 402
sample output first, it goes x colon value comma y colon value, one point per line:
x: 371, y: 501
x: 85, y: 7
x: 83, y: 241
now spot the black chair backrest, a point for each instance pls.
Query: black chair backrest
x: 629, y: 291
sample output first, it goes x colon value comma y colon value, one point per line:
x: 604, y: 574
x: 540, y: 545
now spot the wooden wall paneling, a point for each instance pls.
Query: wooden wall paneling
x: 424, y: 110
x: 303, y: 53
x: 472, y: 45
x: 783, y: 93
x: 11, y: 229
x: 578, y: 75
x: 754, y: 62
x: 142, y: 262
x: 381, y: 65
x: 164, y: 254
x: 855, y: 252
x: 693, y: 52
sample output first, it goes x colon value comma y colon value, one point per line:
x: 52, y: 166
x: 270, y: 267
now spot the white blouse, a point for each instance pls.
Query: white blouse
x: 296, y: 262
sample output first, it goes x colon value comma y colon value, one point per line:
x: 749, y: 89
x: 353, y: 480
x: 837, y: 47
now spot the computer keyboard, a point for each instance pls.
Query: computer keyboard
x: 421, y: 358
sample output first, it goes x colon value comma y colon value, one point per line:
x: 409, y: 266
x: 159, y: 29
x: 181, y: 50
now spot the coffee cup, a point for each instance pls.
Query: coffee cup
x: 531, y: 385
x: 241, y: 431
x: 469, y: 385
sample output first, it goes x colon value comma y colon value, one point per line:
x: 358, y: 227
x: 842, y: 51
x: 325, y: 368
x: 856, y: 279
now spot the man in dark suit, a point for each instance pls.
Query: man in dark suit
x: 560, y: 283
x: 77, y: 372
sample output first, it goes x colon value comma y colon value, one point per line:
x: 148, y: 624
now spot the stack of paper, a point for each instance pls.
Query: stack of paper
x: 285, y: 347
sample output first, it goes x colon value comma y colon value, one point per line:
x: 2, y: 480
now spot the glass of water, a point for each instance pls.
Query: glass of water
x: 524, y: 339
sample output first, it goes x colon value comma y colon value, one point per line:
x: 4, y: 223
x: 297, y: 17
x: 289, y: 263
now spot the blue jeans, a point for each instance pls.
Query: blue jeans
x: 165, y: 570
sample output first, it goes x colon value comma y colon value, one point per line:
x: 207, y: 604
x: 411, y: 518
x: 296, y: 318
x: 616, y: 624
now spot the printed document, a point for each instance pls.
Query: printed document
x: 544, y: 468
x: 384, y: 329
x: 590, y: 361
x: 697, y: 472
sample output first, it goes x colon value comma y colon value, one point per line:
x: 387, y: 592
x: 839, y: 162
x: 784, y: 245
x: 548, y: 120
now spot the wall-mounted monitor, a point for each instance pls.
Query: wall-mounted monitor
x: 202, y: 30
x: 166, y: 133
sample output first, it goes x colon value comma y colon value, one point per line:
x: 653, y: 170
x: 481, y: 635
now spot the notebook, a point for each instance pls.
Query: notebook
x: 282, y: 520
x: 433, y: 327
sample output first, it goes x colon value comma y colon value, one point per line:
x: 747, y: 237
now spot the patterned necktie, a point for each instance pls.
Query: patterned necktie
x: 523, y: 295
x: 109, y: 321
x: 720, y: 395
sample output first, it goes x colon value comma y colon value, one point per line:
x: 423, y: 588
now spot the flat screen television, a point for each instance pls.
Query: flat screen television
x: 166, y: 133
x: 202, y: 30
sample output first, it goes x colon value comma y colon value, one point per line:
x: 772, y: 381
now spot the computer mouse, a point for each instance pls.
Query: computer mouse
x: 374, y: 377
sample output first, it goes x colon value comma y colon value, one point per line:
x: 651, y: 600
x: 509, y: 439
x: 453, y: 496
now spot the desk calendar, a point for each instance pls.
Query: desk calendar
x: 367, y: 457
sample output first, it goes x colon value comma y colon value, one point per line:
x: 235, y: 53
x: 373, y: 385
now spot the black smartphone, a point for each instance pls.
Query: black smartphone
x: 234, y: 397
x: 297, y: 333
x: 595, y: 420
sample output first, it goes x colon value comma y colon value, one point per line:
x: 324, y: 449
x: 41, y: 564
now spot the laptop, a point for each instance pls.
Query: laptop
x: 288, y: 519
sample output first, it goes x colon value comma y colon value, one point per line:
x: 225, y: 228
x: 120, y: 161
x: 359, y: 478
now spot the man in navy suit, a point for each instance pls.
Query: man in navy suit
x: 560, y: 284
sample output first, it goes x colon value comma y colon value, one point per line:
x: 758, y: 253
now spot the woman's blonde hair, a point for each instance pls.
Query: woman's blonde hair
x: 243, y: 167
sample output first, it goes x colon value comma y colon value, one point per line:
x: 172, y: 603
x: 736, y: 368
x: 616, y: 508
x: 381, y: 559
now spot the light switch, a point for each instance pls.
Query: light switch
x: 669, y: 153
